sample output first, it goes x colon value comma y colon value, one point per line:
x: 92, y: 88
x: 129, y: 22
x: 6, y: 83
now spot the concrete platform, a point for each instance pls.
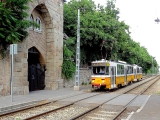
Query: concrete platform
x: 96, y: 100
x: 35, y: 98
x: 145, y: 107
x: 149, y: 111
x: 121, y: 101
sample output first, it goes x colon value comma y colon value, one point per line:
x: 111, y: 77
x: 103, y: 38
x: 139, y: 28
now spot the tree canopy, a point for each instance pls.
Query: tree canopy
x: 13, y: 22
x: 103, y: 36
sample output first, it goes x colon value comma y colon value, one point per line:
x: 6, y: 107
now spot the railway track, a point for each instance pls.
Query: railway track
x: 57, y: 111
x: 98, y: 113
x: 140, y: 92
x: 43, y: 109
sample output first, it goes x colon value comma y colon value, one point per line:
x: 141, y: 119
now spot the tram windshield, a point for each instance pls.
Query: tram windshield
x: 100, y: 70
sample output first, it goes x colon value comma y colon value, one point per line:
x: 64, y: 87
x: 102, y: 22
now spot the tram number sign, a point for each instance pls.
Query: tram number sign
x: 107, y: 64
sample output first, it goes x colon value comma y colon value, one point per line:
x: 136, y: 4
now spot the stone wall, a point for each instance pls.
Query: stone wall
x: 38, y: 38
x: 85, y: 74
x: 5, y: 75
x: 49, y: 43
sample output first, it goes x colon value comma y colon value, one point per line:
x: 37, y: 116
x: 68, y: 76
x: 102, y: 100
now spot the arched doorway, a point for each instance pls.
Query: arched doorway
x: 36, y: 74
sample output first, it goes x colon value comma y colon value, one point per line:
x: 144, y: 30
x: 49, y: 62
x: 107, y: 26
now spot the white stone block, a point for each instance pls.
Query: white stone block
x: 77, y: 88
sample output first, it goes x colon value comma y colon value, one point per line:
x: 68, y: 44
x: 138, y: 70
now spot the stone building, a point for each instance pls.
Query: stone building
x: 38, y: 62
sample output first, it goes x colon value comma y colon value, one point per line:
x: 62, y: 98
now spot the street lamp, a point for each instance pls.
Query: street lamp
x: 157, y: 20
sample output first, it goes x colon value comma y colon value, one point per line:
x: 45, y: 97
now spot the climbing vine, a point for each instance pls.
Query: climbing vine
x: 68, y: 66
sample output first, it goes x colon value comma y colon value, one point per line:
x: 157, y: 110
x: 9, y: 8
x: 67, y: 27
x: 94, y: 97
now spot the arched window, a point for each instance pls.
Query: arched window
x: 38, y: 21
x: 31, y: 22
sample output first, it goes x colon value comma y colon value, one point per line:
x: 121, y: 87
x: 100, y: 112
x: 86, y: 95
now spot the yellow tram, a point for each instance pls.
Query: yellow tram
x: 110, y: 74
x: 137, y: 72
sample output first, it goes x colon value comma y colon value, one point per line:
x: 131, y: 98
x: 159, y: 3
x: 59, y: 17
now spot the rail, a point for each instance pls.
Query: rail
x: 90, y: 110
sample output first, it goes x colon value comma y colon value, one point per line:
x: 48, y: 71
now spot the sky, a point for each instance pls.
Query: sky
x: 140, y: 16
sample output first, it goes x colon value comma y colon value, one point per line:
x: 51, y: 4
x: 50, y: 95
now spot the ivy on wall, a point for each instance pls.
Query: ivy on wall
x: 68, y: 66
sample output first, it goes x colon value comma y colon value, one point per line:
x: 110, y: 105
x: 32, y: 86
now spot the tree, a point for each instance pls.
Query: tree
x: 13, y: 23
x: 68, y: 66
x: 103, y: 36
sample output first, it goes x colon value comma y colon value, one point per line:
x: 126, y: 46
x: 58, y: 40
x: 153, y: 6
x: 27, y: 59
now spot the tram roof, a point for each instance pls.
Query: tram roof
x: 114, y: 62
x: 103, y: 61
x: 136, y: 65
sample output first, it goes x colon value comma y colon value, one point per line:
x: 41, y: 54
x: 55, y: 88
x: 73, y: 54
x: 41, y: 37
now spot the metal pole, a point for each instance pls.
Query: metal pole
x: 152, y: 66
x: 78, y: 51
x: 12, y: 73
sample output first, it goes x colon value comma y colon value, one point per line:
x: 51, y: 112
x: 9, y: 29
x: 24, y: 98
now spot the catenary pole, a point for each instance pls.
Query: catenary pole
x: 77, y: 76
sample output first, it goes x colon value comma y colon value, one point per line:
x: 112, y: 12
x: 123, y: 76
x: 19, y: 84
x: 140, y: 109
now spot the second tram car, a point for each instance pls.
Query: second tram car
x: 110, y: 74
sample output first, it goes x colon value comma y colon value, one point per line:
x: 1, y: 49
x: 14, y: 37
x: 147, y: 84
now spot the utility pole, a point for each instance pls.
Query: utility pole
x: 77, y: 86
x: 152, y: 66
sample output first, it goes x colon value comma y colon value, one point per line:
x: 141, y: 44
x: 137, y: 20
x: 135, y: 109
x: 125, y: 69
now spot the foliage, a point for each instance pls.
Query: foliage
x: 103, y: 35
x: 84, y: 83
x: 13, y: 23
x: 68, y: 66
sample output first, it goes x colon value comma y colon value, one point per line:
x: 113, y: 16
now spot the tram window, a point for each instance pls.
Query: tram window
x: 130, y: 70
x: 96, y: 70
x: 120, y: 69
x: 100, y: 70
x: 107, y: 70
x: 140, y: 70
x: 137, y: 70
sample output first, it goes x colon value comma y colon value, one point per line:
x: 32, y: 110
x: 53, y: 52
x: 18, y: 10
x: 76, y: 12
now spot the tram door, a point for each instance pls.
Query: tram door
x: 125, y: 76
x: 113, y: 76
x: 134, y: 71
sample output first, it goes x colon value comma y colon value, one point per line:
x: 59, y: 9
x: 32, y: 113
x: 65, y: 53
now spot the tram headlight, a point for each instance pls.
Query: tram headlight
x: 93, y: 80
x: 103, y: 80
